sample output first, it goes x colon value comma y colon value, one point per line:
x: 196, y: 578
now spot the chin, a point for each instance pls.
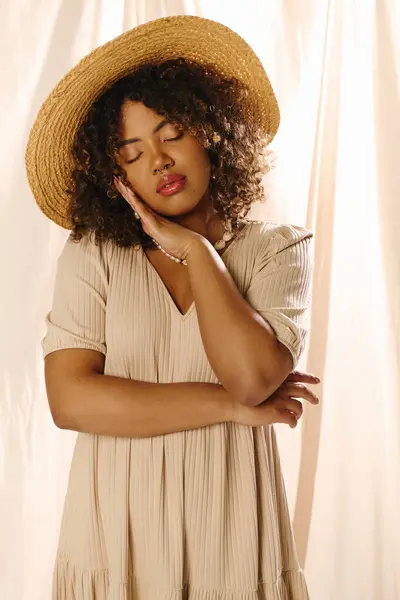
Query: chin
x: 177, y: 208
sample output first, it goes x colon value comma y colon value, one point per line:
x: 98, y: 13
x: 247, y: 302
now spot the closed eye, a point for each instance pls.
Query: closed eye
x: 178, y: 137
x: 129, y: 162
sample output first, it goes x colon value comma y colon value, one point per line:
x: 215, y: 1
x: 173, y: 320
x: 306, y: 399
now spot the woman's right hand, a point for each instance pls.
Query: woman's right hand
x: 283, y: 406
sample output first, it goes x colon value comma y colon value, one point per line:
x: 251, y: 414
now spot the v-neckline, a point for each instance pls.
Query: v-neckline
x: 171, y: 301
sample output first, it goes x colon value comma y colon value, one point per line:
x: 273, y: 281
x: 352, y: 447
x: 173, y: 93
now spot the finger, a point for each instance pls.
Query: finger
x: 303, y: 377
x: 150, y: 220
x: 287, y: 417
x: 134, y: 201
x: 294, y: 406
x: 137, y: 207
x: 127, y: 193
x: 300, y: 390
x: 117, y: 184
x: 145, y: 212
x: 124, y: 190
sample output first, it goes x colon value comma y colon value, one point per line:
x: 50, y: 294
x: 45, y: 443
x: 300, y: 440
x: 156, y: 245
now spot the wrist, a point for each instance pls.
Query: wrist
x: 198, y: 247
x: 227, y: 406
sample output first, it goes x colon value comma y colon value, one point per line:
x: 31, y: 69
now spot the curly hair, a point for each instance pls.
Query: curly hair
x: 196, y: 99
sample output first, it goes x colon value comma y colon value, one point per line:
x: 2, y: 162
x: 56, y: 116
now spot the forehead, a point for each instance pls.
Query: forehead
x: 137, y: 115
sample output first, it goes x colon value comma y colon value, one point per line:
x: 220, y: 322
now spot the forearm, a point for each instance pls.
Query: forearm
x: 113, y: 406
x: 241, y: 347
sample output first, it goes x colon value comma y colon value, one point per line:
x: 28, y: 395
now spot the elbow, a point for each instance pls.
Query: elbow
x: 66, y: 422
x: 252, y: 398
x: 254, y: 393
x: 264, y: 384
x: 62, y: 419
x: 59, y: 418
x: 259, y: 388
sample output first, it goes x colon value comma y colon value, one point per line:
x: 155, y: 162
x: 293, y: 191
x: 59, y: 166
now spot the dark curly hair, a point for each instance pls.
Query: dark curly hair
x: 194, y: 98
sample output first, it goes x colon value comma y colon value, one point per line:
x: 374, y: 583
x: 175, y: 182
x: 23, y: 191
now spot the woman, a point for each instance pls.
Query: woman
x: 176, y: 322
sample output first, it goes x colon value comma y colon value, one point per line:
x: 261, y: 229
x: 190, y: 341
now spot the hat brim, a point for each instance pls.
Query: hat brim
x: 48, y: 156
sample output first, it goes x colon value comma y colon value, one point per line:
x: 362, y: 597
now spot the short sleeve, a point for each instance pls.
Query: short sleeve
x: 77, y: 317
x: 280, y: 287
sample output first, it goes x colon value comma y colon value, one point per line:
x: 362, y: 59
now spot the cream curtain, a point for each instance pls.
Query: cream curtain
x: 335, y: 67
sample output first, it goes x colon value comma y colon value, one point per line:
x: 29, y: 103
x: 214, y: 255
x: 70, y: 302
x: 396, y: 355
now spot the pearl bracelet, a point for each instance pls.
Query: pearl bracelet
x: 177, y: 260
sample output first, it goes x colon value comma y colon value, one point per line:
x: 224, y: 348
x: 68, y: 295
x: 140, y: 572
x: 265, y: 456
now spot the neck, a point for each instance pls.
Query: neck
x: 203, y: 220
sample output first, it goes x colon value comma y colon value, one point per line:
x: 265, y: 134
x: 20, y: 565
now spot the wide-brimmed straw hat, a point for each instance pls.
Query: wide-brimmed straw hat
x: 48, y: 157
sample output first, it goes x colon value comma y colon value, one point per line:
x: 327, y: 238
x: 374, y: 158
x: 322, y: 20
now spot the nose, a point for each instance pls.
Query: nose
x: 161, y: 162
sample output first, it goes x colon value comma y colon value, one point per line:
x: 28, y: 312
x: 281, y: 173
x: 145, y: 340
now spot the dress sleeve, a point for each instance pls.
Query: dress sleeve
x: 280, y: 287
x: 77, y: 317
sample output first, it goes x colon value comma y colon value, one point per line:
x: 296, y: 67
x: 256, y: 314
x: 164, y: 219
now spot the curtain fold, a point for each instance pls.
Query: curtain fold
x: 335, y: 69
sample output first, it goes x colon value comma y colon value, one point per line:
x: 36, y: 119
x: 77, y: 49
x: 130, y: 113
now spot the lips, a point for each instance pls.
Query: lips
x: 169, y: 180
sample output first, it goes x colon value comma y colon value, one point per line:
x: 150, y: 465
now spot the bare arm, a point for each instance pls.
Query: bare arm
x: 247, y: 341
x: 82, y: 399
x: 240, y: 345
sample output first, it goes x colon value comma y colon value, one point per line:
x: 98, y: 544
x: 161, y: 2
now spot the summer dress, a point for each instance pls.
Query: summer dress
x: 197, y: 515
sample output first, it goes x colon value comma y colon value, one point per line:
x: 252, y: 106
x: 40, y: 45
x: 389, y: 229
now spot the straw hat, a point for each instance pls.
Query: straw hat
x: 48, y: 154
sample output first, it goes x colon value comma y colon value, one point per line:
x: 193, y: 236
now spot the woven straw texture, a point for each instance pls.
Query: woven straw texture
x: 48, y: 154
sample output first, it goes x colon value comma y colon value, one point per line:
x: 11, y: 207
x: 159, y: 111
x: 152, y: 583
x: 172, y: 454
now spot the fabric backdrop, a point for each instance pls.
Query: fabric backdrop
x: 334, y: 66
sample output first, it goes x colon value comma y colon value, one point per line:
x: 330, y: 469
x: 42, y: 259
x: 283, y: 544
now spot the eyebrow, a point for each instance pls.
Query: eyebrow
x: 133, y: 140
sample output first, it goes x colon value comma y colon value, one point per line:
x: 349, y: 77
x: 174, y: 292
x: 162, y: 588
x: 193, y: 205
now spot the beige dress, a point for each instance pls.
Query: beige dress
x: 197, y: 515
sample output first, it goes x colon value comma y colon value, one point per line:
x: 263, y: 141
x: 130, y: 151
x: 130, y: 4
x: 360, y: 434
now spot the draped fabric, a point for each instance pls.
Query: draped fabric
x: 334, y: 66
x: 193, y: 515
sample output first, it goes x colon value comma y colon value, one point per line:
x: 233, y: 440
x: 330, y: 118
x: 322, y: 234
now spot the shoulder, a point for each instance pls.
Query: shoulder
x: 85, y: 258
x: 267, y: 233
x: 87, y: 249
x: 269, y: 239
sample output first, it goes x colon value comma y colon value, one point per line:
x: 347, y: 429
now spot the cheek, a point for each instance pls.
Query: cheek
x: 200, y: 163
x: 140, y: 182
